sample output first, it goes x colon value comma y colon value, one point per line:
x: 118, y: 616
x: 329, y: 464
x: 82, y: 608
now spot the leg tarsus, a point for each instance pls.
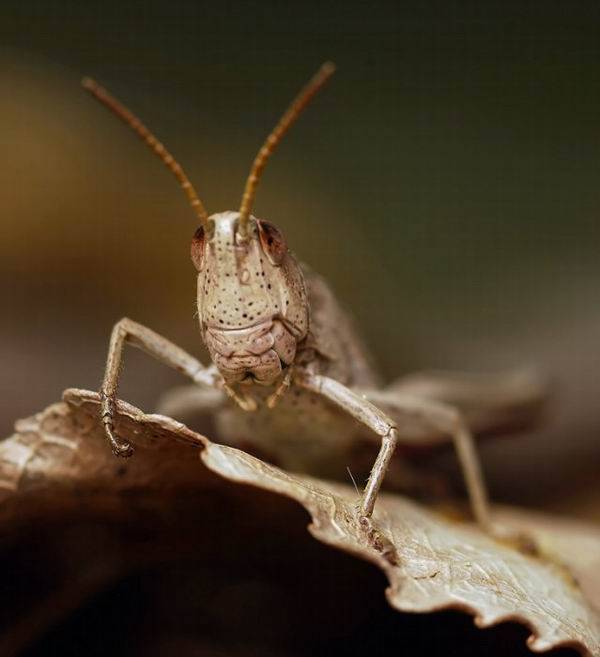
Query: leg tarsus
x: 378, y: 540
x: 119, y: 447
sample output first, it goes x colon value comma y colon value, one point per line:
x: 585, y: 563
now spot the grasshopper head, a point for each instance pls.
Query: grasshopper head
x: 252, y: 302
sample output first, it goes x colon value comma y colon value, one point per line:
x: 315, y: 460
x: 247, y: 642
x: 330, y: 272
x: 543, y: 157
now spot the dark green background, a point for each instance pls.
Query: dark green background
x: 446, y: 182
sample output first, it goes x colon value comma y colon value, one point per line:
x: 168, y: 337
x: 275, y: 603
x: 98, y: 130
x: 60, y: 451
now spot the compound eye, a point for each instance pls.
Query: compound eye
x: 272, y: 241
x: 197, y: 248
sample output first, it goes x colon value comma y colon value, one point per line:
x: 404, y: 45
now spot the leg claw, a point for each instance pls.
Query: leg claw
x: 122, y: 449
x: 378, y: 540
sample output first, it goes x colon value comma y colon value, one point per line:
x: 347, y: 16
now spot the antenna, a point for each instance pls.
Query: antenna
x: 146, y: 136
x: 272, y: 141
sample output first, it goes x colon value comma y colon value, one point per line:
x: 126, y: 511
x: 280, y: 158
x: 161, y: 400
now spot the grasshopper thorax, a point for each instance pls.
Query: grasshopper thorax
x: 252, y: 302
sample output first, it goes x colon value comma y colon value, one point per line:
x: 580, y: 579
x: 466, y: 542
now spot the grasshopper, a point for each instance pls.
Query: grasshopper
x: 287, y: 363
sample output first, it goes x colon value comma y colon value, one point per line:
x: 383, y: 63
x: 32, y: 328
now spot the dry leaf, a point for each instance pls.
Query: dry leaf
x: 58, y: 461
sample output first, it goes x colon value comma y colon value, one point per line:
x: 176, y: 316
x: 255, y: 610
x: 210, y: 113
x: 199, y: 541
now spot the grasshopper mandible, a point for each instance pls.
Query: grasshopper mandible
x: 285, y: 357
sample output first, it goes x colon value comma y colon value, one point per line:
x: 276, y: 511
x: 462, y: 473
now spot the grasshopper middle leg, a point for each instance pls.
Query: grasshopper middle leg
x: 445, y: 419
x: 366, y: 406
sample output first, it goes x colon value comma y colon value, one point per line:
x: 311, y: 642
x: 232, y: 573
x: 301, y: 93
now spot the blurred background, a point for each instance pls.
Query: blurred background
x: 446, y: 183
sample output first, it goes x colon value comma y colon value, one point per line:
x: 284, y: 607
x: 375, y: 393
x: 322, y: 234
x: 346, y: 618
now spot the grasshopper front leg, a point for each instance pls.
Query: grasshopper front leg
x: 366, y: 413
x: 127, y: 331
